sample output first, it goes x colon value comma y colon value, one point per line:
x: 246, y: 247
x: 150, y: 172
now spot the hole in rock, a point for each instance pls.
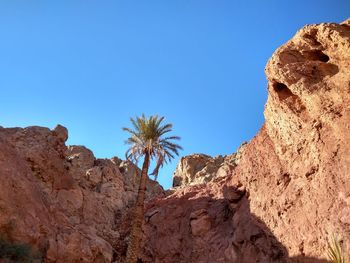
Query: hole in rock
x: 316, y: 55
x: 122, y: 170
x: 282, y: 90
x: 312, y: 38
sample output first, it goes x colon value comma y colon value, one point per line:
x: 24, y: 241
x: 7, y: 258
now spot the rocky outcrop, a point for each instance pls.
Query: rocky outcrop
x: 277, y: 199
x: 307, y: 123
x: 62, y: 200
x: 201, y: 168
x: 207, y: 223
x: 294, y: 172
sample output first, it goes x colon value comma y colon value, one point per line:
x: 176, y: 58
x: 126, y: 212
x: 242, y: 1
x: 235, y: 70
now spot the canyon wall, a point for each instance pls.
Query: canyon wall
x: 61, y: 200
x: 295, y: 173
x: 277, y: 199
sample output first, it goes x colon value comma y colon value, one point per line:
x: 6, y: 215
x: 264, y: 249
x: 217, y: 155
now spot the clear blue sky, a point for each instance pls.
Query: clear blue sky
x: 90, y: 65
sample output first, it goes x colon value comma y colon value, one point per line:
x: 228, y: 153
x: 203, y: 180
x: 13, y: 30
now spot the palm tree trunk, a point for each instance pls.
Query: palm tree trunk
x: 136, y: 231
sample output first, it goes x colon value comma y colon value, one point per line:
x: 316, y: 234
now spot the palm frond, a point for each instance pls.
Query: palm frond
x: 159, y: 120
x: 335, y: 252
x: 171, y: 138
x: 135, y: 124
x: 169, y: 155
x: 166, y: 128
x: 130, y: 131
x: 147, y: 136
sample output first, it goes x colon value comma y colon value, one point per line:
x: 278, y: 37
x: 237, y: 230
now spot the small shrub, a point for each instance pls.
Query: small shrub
x: 17, y: 252
x: 335, y: 252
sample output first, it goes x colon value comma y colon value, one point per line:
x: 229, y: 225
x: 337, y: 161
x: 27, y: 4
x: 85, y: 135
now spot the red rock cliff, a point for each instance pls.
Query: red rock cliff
x: 61, y: 200
x: 276, y: 200
x: 289, y: 190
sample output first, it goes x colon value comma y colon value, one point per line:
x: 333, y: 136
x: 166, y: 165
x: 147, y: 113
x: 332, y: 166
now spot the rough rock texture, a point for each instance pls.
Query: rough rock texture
x: 201, y: 168
x: 276, y: 200
x: 208, y: 223
x: 308, y: 124
x: 61, y: 199
x: 295, y: 172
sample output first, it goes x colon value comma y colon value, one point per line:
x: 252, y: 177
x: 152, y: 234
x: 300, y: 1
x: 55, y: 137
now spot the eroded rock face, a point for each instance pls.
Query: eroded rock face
x: 308, y: 122
x: 201, y: 168
x: 277, y: 200
x: 207, y: 223
x: 295, y: 171
x: 62, y: 200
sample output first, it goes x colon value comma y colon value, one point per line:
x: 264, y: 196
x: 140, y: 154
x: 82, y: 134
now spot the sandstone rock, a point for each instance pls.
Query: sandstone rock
x: 201, y: 168
x: 292, y: 181
x: 62, y: 200
x: 198, y: 224
x: 277, y: 199
x: 307, y: 120
x: 61, y: 133
x: 94, y: 176
x: 190, y: 169
x: 70, y: 200
x: 80, y: 159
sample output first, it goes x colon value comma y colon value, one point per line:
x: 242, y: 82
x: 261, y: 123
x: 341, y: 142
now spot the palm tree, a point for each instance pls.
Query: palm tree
x: 147, y: 139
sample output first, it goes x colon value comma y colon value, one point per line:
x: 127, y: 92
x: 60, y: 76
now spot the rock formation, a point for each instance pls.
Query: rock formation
x: 277, y: 199
x: 62, y: 200
x: 294, y: 172
x: 201, y: 168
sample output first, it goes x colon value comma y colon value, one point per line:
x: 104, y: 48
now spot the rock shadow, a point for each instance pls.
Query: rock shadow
x: 199, y: 224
